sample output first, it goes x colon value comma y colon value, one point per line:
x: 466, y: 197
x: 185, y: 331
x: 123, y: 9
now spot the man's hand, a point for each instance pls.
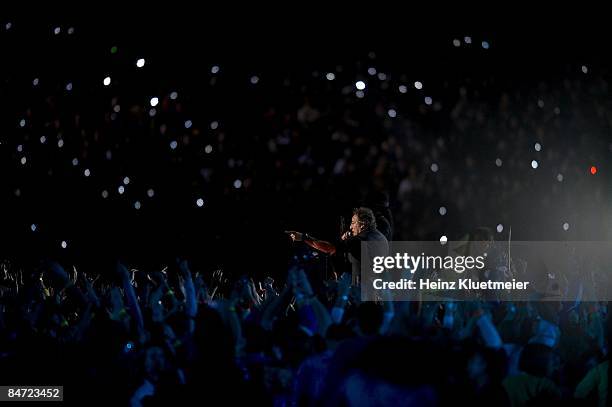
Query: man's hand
x: 346, y: 235
x: 295, y: 236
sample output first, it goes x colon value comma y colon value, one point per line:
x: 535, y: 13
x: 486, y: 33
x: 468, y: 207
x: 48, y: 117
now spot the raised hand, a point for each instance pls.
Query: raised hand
x: 158, y: 278
x: 344, y: 284
x: 184, y: 268
x: 201, y: 289
x: 117, y: 309
x: 123, y: 272
x: 252, y: 293
x: 268, y: 287
x: 57, y: 273
x: 155, y: 296
x: 155, y: 304
x: 91, y: 293
x: 303, y: 283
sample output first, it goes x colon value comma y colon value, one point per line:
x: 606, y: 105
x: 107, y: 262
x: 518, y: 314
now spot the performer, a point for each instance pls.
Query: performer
x: 362, y: 229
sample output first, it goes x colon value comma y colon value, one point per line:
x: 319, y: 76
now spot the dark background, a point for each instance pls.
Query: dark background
x: 242, y: 229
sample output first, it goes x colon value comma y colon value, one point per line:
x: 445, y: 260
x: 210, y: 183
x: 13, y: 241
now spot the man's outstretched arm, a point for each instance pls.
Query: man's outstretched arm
x: 320, y: 245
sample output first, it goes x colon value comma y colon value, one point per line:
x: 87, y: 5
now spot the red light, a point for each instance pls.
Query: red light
x: 593, y: 170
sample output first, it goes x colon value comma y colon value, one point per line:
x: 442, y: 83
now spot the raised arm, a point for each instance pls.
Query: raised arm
x: 63, y: 283
x: 308, y: 303
x: 132, y: 300
x: 320, y: 245
x: 191, y: 305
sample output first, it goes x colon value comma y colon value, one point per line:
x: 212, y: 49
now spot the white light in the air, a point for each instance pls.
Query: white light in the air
x: 360, y: 85
x: 140, y: 63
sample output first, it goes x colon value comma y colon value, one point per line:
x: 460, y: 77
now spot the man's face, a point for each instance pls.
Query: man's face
x: 355, y: 225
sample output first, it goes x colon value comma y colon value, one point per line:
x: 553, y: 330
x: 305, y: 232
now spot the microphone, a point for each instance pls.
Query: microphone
x: 343, y: 228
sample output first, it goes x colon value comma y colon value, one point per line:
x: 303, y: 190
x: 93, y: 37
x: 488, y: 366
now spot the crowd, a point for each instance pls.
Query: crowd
x: 173, y: 336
